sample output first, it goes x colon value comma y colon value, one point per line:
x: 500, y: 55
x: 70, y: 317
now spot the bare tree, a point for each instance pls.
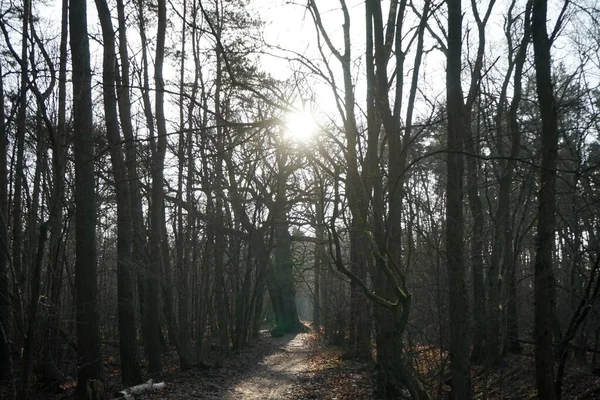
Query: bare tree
x: 130, y: 367
x: 59, y: 161
x: 86, y: 287
x: 139, y: 239
x: 159, y: 147
x: 544, y: 280
x: 459, y: 315
x: 5, y: 308
x: 359, y: 338
x: 182, y: 238
x: 18, y: 251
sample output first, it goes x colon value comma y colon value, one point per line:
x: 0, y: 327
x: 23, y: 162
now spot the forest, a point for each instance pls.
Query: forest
x: 331, y: 199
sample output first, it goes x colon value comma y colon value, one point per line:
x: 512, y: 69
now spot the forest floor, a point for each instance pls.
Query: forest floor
x: 301, y: 367
x: 291, y: 367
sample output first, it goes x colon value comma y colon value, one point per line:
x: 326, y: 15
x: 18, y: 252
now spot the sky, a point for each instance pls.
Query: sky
x: 288, y: 25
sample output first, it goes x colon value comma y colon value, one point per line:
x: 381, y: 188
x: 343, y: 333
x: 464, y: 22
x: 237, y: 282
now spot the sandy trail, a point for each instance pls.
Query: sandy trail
x: 274, y: 376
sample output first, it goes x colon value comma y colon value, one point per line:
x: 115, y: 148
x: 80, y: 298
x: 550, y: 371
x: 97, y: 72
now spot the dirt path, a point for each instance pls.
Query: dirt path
x: 287, y: 368
x: 275, y: 375
x: 270, y: 369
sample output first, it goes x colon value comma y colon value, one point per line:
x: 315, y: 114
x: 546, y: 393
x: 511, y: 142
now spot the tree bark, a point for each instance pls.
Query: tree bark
x: 32, y: 325
x: 217, y: 186
x: 486, y: 321
x: 18, y: 251
x: 459, y: 315
x: 59, y: 153
x: 139, y: 249
x: 510, y: 258
x: 141, y: 252
x: 544, y: 280
x: 5, y: 309
x: 320, y: 256
x: 156, y: 207
x: 130, y: 366
x: 283, y: 292
x: 167, y: 287
x: 359, y: 338
x: 181, y: 236
x: 86, y: 288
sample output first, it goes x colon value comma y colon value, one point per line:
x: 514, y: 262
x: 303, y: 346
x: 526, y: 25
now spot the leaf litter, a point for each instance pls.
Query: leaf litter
x: 292, y: 367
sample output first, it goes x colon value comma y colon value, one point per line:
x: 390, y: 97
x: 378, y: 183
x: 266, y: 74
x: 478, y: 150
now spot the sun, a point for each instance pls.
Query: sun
x: 301, y: 126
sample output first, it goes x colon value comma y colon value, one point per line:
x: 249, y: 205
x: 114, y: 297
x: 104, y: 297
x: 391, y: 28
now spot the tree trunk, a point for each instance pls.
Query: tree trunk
x: 181, y: 236
x: 28, y: 347
x: 130, y: 366
x: 281, y: 285
x: 59, y: 152
x: 5, y: 308
x: 218, y: 219
x: 320, y: 258
x: 282, y: 289
x: 156, y: 207
x: 152, y: 344
x: 459, y: 315
x: 17, y: 206
x: 480, y: 315
x: 487, y: 322
x: 139, y: 255
x: 86, y: 288
x: 358, y: 344
x: 167, y: 288
x: 544, y: 280
x: 509, y: 254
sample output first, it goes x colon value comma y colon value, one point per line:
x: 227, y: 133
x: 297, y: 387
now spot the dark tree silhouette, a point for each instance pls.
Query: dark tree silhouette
x: 544, y: 279
x: 89, y: 358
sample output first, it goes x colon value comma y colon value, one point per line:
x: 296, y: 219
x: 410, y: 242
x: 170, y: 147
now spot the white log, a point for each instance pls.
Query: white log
x: 130, y: 392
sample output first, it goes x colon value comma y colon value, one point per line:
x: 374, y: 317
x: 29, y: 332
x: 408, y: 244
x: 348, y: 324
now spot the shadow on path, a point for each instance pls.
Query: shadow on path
x: 275, y: 374
x: 267, y: 370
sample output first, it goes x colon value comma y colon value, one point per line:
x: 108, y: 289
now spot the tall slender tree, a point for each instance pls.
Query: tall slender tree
x: 180, y: 229
x: 139, y: 249
x: 480, y: 314
x: 17, y: 198
x: 217, y: 186
x: 89, y: 361
x: 358, y: 345
x: 459, y: 316
x: 281, y: 276
x: 544, y: 246
x: 5, y: 309
x: 159, y: 145
x: 59, y: 161
x: 130, y: 367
